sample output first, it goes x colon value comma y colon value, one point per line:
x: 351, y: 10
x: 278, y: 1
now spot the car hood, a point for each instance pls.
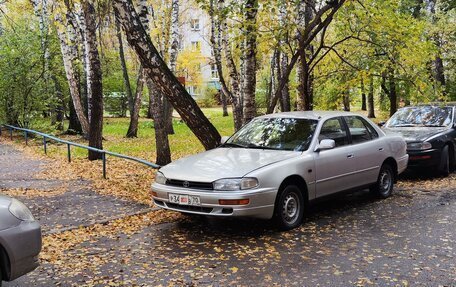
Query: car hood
x: 413, y: 134
x: 223, y: 163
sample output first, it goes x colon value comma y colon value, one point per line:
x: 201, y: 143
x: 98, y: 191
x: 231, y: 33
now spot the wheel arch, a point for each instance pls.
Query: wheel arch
x: 392, y: 162
x: 4, y: 264
x: 296, y: 180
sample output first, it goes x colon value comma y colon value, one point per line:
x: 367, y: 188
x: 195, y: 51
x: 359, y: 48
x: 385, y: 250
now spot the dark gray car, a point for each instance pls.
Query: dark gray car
x: 20, y: 239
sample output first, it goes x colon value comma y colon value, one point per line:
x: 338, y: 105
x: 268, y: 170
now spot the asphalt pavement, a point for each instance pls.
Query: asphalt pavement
x: 408, y: 239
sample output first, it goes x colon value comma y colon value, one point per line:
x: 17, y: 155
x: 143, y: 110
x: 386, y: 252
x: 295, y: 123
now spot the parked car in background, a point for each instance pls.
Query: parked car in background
x: 20, y: 239
x: 430, y: 133
x: 276, y: 164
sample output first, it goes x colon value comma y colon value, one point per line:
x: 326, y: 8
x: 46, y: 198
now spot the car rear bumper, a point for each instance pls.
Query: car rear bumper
x: 23, y: 245
x: 425, y: 158
x: 261, y: 201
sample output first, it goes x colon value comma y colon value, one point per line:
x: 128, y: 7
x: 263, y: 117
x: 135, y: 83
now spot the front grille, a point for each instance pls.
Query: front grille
x: 189, y: 207
x: 190, y: 184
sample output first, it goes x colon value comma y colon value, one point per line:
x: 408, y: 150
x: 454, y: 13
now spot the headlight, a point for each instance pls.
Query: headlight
x: 160, y: 178
x: 235, y: 183
x: 20, y: 211
x: 419, y: 146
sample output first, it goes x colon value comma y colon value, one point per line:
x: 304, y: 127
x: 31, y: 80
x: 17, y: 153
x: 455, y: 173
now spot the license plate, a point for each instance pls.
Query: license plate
x: 182, y: 199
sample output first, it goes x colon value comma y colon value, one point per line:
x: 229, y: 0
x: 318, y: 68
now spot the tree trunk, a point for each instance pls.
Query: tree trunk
x: 235, y: 82
x: 249, y: 87
x: 74, y: 126
x: 391, y: 90
x: 305, y: 87
x: 306, y: 36
x: 173, y: 50
x: 94, y: 81
x: 216, y: 42
x: 67, y: 55
x: 392, y: 93
x: 60, y: 108
x: 224, y: 105
x: 346, y: 101
x: 164, y: 80
x: 133, y: 126
x: 370, y: 99
x: 161, y: 135
x: 363, y: 96
x: 285, y: 97
x: 134, y: 114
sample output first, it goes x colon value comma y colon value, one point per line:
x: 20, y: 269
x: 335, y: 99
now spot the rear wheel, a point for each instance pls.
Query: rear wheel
x: 444, y: 166
x: 289, y: 209
x: 385, y: 182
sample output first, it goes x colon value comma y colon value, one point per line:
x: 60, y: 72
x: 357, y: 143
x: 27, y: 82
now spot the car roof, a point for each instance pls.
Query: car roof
x: 433, y: 104
x: 314, y: 115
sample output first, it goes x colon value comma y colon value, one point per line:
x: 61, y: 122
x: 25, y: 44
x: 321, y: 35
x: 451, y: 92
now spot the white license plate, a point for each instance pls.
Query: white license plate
x: 182, y: 199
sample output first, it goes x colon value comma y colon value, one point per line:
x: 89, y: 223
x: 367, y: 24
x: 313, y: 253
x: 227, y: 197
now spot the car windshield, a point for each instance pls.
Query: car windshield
x: 425, y: 116
x: 275, y: 133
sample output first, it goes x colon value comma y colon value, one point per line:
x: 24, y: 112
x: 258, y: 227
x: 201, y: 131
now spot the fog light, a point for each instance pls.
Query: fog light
x: 234, y: 201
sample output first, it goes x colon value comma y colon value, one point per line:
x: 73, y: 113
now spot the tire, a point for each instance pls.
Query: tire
x: 383, y: 188
x: 444, y: 166
x: 289, y: 208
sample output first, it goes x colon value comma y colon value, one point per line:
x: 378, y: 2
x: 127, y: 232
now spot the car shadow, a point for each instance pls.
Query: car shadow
x: 317, y: 213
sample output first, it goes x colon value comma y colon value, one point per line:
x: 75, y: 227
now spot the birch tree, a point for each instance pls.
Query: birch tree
x: 66, y: 33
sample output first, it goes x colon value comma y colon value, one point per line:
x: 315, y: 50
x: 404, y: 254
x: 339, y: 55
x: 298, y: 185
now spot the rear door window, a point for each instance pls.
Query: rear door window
x: 358, y: 131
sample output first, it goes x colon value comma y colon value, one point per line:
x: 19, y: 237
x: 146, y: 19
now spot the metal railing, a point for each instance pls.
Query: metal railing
x: 47, y: 137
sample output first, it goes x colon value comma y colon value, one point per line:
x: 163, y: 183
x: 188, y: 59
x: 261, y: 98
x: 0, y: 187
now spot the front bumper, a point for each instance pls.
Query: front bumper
x: 261, y: 201
x: 23, y: 245
x: 424, y: 158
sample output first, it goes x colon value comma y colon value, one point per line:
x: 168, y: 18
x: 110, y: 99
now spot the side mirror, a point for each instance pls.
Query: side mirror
x: 326, y: 144
x: 381, y: 124
x: 224, y: 139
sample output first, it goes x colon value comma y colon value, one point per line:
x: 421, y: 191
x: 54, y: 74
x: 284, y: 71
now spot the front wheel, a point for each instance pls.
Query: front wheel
x: 444, y: 166
x: 289, y: 209
x: 385, y: 182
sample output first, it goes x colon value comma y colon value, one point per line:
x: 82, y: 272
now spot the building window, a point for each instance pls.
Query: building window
x: 214, y: 71
x: 193, y: 90
x: 195, y: 24
x: 196, y: 45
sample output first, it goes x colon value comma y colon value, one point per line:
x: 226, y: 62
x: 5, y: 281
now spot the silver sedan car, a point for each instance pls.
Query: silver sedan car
x: 20, y: 239
x: 274, y: 166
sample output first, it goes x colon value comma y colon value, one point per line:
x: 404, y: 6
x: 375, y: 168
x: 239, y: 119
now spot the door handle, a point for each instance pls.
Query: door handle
x: 380, y: 149
x: 350, y: 155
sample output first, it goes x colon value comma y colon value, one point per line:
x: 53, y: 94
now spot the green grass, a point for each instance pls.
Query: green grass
x: 182, y: 143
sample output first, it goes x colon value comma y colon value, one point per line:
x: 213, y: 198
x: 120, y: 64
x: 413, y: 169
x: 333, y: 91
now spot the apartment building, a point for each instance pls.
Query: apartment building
x: 195, y: 32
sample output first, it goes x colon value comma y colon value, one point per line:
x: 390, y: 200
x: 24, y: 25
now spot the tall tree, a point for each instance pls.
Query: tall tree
x: 370, y: 98
x: 93, y: 80
x: 66, y: 33
x: 132, y: 129
x: 173, y: 50
x: 249, y: 57
x: 319, y: 23
x: 164, y: 80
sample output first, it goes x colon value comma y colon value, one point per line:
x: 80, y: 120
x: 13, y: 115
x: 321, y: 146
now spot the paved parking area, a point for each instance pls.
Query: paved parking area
x: 352, y: 240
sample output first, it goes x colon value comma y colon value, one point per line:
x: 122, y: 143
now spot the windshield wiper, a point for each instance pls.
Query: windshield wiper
x: 435, y: 126
x: 232, y: 145
x: 407, y: 125
x: 259, y: 147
